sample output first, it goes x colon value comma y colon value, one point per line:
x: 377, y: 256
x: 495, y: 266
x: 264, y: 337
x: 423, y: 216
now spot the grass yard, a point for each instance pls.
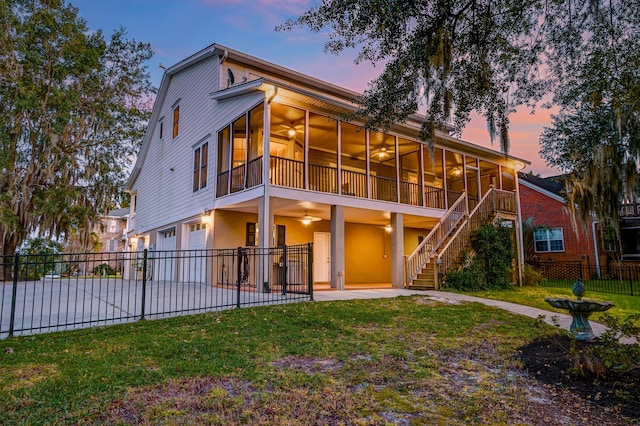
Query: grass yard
x: 534, y: 296
x: 407, y: 360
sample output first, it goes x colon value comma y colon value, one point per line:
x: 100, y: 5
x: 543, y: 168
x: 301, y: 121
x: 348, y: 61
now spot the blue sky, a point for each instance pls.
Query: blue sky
x: 179, y: 28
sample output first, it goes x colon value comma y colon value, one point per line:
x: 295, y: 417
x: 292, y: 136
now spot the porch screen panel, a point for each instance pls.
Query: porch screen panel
x: 255, y: 146
x: 323, y: 153
x: 286, y: 146
x: 353, y: 161
x: 488, y: 176
x: 433, y: 178
x: 224, y: 144
x: 239, y: 157
x: 383, y: 167
x: 410, y: 176
x: 455, y: 176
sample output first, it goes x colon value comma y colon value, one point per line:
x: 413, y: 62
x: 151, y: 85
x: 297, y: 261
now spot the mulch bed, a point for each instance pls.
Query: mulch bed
x: 549, y: 360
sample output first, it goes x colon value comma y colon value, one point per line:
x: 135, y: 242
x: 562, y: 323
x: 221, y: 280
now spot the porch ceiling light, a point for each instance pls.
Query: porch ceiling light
x: 382, y: 153
x: 292, y: 130
x: 388, y: 228
x: 306, y: 219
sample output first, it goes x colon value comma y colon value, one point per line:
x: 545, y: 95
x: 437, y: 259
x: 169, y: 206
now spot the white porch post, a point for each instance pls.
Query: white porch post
x: 265, y: 226
x: 397, y: 250
x: 337, y: 247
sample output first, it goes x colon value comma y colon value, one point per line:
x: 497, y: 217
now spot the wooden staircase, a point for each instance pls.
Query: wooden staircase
x: 442, y: 249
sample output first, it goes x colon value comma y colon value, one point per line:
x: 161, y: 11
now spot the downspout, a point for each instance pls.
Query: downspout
x: 595, y: 246
x: 224, y: 56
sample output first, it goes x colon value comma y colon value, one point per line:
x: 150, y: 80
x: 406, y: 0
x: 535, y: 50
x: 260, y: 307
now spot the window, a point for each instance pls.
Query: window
x: 176, y: 120
x: 161, y: 128
x: 549, y: 240
x: 113, y: 226
x: 250, y: 240
x: 281, y: 233
x: 112, y: 246
x: 200, y: 163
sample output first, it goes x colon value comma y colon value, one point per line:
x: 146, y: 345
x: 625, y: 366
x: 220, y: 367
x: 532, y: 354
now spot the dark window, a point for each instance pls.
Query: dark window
x: 161, y: 129
x: 281, y: 235
x: 251, y: 235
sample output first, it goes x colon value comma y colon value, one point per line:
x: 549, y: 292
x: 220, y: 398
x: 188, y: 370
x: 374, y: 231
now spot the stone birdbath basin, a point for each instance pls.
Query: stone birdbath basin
x: 580, y: 310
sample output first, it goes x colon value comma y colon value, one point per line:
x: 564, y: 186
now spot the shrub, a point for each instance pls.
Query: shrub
x: 531, y: 277
x: 610, y: 357
x: 42, y: 258
x: 103, y: 269
x: 490, y: 269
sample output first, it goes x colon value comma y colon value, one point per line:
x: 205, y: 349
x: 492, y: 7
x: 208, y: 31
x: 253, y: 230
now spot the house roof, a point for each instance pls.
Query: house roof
x: 291, y: 80
x: 121, y: 213
x: 552, y: 186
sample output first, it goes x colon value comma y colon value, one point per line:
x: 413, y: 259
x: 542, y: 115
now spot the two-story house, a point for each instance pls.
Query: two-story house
x: 243, y: 152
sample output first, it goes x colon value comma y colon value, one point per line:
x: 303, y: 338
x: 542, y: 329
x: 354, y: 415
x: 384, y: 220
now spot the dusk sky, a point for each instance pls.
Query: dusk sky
x: 179, y: 28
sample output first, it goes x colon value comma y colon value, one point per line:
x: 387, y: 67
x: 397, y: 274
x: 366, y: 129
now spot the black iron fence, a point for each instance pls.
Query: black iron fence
x: 42, y: 293
x: 616, y: 277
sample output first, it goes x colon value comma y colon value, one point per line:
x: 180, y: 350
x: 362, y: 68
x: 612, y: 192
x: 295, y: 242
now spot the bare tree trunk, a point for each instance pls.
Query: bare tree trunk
x: 7, y: 250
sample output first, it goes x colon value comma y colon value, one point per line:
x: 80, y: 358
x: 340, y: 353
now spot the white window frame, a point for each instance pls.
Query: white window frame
x: 202, y: 166
x: 112, y: 246
x: 544, y: 236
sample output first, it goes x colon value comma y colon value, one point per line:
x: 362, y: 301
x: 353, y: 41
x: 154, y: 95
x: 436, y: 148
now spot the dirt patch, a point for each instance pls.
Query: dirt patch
x: 309, y: 366
x: 549, y: 360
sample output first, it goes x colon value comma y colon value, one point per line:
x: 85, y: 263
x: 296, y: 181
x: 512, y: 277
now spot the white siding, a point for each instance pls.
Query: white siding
x: 165, y: 195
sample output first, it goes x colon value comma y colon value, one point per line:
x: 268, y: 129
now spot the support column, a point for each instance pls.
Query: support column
x: 265, y: 227
x: 397, y: 250
x: 337, y: 247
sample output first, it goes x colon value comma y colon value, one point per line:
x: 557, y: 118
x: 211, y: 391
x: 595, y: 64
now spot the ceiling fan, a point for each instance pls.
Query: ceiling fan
x: 290, y: 130
x: 383, y: 152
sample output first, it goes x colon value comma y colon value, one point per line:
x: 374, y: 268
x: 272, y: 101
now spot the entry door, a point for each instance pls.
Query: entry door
x: 321, y: 256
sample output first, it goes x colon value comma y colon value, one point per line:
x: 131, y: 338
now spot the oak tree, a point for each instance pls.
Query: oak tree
x: 73, y: 109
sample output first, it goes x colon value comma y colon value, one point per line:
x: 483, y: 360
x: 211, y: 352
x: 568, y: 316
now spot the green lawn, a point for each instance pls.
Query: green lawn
x: 534, y: 296
x: 361, y: 362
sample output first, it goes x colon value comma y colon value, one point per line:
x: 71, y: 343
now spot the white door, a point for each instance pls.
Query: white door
x: 321, y: 256
x: 197, y: 256
x: 166, y: 256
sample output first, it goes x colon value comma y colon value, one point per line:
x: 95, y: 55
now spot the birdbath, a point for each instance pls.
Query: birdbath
x: 580, y: 310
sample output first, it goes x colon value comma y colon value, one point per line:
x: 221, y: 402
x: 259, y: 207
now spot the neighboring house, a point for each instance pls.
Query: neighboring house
x: 236, y: 146
x: 551, y: 234
x: 111, y: 233
x: 112, y: 230
x: 628, y: 246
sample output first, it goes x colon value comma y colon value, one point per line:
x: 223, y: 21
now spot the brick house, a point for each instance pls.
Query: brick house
x: 111, y: 233
x: 549, y: 234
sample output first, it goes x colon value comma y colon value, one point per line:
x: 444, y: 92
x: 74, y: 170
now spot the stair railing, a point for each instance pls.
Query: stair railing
x: 427, y: 248
x: 494, y: 200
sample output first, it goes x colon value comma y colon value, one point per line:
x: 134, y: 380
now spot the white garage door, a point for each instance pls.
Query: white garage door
x: 165, y: 263
x: 197, y: 244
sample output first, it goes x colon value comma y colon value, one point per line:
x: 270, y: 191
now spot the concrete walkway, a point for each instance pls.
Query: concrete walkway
x: 552, y: 318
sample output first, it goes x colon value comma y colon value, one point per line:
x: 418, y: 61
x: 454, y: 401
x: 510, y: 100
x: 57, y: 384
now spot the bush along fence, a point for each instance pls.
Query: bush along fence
x: 43, y: 293
x: 616, y: 277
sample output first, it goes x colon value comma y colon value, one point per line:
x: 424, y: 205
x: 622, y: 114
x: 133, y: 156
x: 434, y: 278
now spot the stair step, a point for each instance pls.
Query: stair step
x: 421, y: 287
x: 427, y: 282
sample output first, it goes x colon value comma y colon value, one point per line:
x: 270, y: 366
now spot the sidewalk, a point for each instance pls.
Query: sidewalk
x: 552, y: 318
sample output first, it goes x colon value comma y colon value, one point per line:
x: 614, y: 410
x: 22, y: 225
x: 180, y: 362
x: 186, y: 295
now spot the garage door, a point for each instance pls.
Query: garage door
x: 165, y: 263
x: 197, y: 244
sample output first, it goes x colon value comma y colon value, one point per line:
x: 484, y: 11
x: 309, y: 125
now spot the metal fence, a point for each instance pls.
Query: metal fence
x: 616, y: 277
x: 43, y: 293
